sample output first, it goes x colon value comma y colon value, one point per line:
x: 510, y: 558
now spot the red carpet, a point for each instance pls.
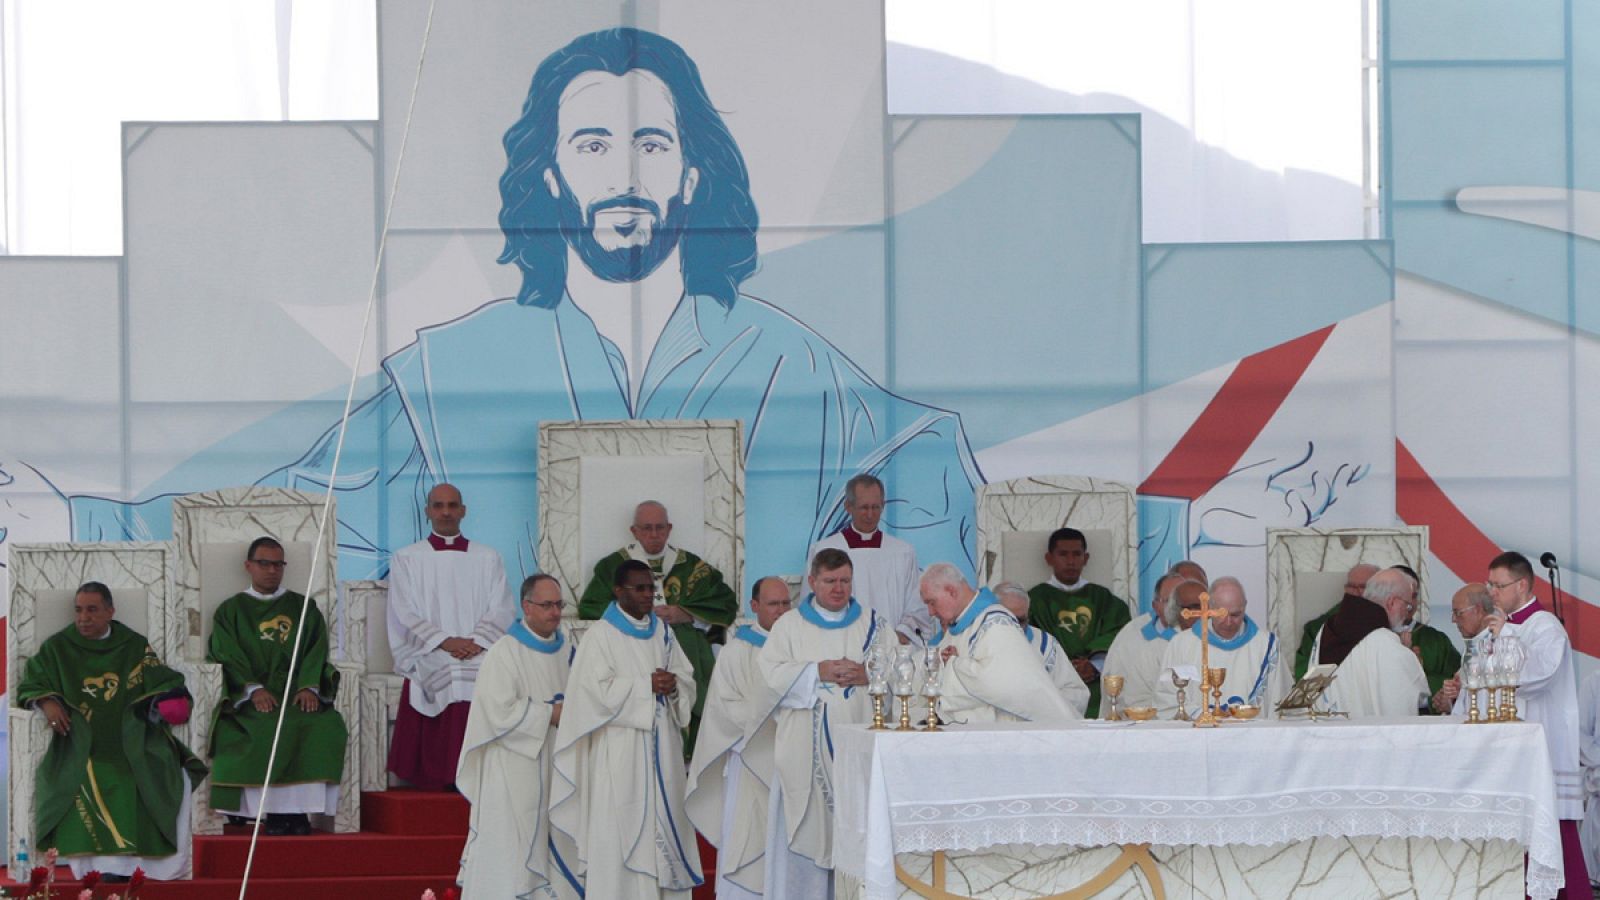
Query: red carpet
x: 411, y: 841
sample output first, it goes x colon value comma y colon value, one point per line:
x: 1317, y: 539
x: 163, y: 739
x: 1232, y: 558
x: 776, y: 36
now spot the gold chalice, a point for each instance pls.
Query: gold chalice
x: 1211, y: 683
x: 1111, y: 686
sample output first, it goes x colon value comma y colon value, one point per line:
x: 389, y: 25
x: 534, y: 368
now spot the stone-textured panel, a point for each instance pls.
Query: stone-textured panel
x: 1046, y: 502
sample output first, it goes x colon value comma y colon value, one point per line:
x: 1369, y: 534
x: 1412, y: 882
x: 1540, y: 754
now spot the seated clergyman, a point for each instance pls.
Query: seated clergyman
x: 1085, y: 617
x: 113, y: 789
x: 1255, y: 674
x: 1015, y: 599
x: 1135, y: 655
x: 689, y: 595
x: 252, y: 638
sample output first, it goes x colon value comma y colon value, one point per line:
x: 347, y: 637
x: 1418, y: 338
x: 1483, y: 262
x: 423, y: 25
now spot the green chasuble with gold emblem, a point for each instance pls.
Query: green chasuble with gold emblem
x: 692, y: 584
x: 251, y: 639
x: 1085, y: 621
x: 1440, y: 659
x: 112, y: 785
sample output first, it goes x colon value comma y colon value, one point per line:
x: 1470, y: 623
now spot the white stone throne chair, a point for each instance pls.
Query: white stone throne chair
x: 1015, y: 519
x: 212, y: 532
x: 1306, y: 569
x: 364, y: 644
x: 593, y: 474
x: 44, y: 579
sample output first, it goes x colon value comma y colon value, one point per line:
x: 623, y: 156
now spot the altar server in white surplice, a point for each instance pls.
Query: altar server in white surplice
x: 812, y: 663
x: 1256, y: 673
x: 619, y: 780
x: 505, y: 764
x: 1136, y: 652
x: 1379, y: 676
x: 448, y: 604
x: 1547, y: 693
x: 731, y: 774
x: 885, y: 567
x: 989, y: 671
x: 1014, y: 597
x: 1589, y: 758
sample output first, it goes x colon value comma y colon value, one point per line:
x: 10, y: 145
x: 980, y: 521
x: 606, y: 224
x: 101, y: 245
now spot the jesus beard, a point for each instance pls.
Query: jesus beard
x: 630, y: 262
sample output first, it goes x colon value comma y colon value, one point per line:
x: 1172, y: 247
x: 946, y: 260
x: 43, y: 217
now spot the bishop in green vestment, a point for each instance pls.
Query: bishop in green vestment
x: 252, y: 637
x: 1085, y: 617
x: 113, y: 780
x: 690, y: 596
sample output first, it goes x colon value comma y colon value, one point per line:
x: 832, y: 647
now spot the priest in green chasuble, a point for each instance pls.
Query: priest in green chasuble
x: 690, y: 595
x: 252, y: 637
x: 1084, y: 617
x: 113, y: 789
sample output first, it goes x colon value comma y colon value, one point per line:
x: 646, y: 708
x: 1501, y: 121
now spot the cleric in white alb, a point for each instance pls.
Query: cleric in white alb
x: 989, y: 671
x: 1014, y: 597
x: 505, y: 766
x: 1256, y: 675
x: 1377, y: 674
x: 619, y: 780
x: 885, y: 567
x: 731, y: 774
x: 1136, y: 652
x: 448, y: 604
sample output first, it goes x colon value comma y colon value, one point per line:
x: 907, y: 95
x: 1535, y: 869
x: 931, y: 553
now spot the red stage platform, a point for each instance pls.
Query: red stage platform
x: 410, y: 841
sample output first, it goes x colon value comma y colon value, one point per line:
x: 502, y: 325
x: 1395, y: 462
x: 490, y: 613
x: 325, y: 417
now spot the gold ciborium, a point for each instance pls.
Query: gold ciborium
x: 1211, y: 693
x: 1111, y: 686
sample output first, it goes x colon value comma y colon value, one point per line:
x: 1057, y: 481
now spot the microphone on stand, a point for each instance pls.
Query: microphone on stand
x: 1548, y: 560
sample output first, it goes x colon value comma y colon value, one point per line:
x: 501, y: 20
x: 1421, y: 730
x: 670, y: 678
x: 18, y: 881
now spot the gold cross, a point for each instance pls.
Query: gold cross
x: 1205, y: 615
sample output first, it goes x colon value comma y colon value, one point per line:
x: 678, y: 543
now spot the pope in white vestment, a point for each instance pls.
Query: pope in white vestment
x: 812, y: 662
x: 1063, y: 674
x: 731, y: 774
x: 1136, y: 651
x: 885, y: 569
x: 1256, y: 673
x: 619, y: 780
x: 988, y: 671
x: 448, y: 604
x: 506, y: 763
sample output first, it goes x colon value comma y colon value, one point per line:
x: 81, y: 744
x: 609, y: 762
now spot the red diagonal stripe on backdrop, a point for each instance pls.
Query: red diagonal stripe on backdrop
x: 1231, y: 422
x: 1465, y: 549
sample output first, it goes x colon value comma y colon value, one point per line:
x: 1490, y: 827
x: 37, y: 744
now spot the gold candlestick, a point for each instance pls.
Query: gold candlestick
x: 1491, y: 710
x: 877, y: 713
x: 933, y: 714
x: 1508, y: 704
x: 905, y: 712
x: 1472, y: 707
x: 1211, y: 684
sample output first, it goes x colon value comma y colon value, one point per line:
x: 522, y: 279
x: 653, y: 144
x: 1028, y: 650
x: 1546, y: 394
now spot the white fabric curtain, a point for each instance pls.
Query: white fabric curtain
x: 74, y: 70
x: 1253, y: 109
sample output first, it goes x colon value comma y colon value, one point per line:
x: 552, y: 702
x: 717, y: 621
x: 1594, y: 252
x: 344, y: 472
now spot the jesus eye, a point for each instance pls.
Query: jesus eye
x: 651, y: 148
x: 592, y: 146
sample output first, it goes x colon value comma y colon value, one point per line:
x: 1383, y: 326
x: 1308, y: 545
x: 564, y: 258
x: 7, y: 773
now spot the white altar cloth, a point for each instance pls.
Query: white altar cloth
x: 1167, y: 783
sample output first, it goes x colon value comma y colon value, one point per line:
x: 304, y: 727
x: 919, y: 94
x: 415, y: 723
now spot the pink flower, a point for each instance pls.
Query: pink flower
x: 86, y: 894
x: 429, y: 895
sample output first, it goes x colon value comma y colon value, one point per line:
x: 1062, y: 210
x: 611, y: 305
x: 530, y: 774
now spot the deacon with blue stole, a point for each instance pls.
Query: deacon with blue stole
x: 506, y: 763
x: 619, y: 780
x: 812, y: 663
x: 1014, y: 597
x: 1256, y: 675
x: 989, y: 671
x: 731, y: 774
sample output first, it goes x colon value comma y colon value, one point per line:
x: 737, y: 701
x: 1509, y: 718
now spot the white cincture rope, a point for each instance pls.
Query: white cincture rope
x: 338, y: 449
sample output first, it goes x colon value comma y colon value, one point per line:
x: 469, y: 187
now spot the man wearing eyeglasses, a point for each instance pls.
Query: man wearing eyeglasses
x: 1469, y: 609
x: 505, y: 766
x: 253, y: 636
x: 690, y: 596
x: 1547, y: 693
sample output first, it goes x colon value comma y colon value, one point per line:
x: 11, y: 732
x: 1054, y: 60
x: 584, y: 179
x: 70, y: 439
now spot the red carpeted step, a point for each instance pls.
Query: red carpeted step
x: 379, y: 887
x: 404, y: 811
x: 324, y: 855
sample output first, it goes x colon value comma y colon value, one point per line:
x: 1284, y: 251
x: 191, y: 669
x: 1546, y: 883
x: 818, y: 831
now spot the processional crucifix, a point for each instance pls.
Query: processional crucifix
x: 1208, y: 718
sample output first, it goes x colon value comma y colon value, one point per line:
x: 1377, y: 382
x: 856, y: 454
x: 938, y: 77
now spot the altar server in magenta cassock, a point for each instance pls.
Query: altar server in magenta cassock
x: 884, y: 567
x: 1136, y: 653
x: 1377, y: 674
x: 1256, y: 674
x: 448, y: 604
x: 506, y: 762
x: 691, y: 596
x: 252, y: 639
x: 1014, y: 598
x: 618, y: 789
x: 813, y: 664
x: 113, y: 787
x: 1547, y: 694
x: 989, y: 671
x: 731, y: 775
x: 1085, y: 617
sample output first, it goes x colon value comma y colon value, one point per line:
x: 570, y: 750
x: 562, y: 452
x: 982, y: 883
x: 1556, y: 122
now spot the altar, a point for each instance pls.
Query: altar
x: 1394, y: 808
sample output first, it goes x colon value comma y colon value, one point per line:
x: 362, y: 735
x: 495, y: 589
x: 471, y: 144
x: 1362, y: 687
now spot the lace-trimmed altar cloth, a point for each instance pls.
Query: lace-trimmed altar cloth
x: 1166, y: 783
